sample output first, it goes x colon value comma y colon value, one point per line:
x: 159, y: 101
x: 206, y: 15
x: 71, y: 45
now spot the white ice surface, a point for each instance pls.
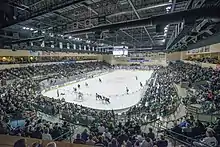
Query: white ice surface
x: 113, y: 86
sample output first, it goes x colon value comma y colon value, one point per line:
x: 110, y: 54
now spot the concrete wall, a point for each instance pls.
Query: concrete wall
x: 173, y: 56
x: 215, y: 48
x: 5, y: 52
x: 208, y: 65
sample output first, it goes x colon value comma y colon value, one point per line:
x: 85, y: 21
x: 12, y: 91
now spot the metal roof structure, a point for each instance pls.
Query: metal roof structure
x: 93, y: 25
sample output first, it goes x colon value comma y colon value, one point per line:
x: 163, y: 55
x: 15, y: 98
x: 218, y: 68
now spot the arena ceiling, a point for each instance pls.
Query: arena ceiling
x: 143, y: 25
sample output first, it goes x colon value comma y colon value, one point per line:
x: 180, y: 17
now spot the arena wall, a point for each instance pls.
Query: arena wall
x: 6, y: 52
x: 174, y: 56
x: 130, y: 60
x: 207, y: 65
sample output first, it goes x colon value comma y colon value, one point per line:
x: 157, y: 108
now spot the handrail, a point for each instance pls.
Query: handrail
x: 181, y: 135
x: 68, y: 132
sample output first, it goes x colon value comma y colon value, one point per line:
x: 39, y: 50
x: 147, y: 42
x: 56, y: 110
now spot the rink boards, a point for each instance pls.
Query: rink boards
x: 113, y: 86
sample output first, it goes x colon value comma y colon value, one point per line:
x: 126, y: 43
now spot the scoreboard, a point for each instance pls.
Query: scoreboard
x: 120, y: 51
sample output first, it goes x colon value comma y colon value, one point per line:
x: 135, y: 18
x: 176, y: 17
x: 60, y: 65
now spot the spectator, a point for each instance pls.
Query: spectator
x: 107, y: 134
x: 37, y: 134
x: 122, y: 137
x: 85, y: 135
x: 78, y: 140
x: 51, y: 144
x: 46, y: 135
x: 90, y: 141
x: 151, y: 135
x: 20, y: 143
x: 37, y: 144
x: 209, y: 140
x: 113, y: 143
x: 147, y: 142
x: 100, y: 142
x: 101, y: 129
x: 162, y: 142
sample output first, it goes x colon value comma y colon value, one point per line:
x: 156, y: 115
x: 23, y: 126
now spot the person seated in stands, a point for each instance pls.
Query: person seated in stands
x: 85, y: 135
x: 100, y: 142
x: 90, y: 140
x: 151, y: 135
x: 198, y: 129
x: 122, y: 137
x: 37, y: 134
x: 209, y: 140
x: 147, y: 142
x: 46, y: 135
x: 113, y: 143
x: 162, y: 142
x: 51, y: 144
x: 101, y: 129
x: 107, y: 134
x: 56, y: 132
x: 20, y: 143
x: 78, y: 140
x: 217, y: 126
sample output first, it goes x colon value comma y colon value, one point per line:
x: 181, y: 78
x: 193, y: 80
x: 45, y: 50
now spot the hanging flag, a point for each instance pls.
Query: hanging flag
x: 61, y: 45
x: 42, y: 44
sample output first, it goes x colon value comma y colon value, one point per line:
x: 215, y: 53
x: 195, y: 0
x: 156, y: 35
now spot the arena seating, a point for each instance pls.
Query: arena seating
x: 20, y: 100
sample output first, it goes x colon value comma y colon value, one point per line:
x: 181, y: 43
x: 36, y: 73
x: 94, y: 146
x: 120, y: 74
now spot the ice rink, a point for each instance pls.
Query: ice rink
x: 113, y: 86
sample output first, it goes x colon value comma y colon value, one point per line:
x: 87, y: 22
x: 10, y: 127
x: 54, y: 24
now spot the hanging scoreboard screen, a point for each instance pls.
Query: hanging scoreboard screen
x: 120, y: 51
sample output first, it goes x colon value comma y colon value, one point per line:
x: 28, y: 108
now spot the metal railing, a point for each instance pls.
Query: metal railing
x: 183, y: 139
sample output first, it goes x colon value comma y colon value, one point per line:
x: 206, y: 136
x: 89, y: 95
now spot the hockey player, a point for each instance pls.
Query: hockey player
x: 136, y: 77
x: 141, y: 84
x: 86, y: 84
x: 127, y: 90
x: 58, y: 94
x: 100, y: 80
x: 78, y: 86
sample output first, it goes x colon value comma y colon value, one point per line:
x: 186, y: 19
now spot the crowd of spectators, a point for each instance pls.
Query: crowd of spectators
x: 21, y: 95
x: 204, y: 82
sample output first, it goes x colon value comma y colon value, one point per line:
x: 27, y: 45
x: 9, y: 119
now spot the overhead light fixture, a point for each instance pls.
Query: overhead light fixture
x: 24, y: 28
x: 163, y: 40
x: 165, y: 34
x: 43, y: 32
x: 27, y: 28
x: 31, y: 29
x: 61, y: 35
x: 70, y: 37
x: 36, y: 31
x: 168, y: 8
